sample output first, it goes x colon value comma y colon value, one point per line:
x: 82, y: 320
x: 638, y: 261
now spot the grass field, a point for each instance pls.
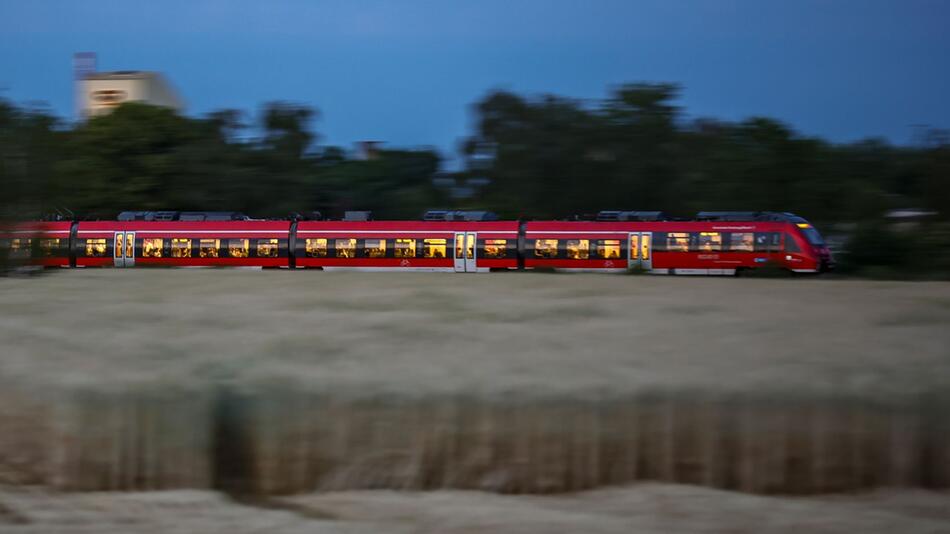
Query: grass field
x: 520, y: 333
x: 277, y: 383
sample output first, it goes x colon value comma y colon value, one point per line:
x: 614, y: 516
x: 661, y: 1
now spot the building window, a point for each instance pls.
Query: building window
x: 152, y: 247
x: 345, y: 248
x: 608, y: 249
x: 208, y: 248
x: 96, y: 247
x: 545, y: 248
x: 238, y: 248
x: 267, y: 248
x: 741, y: 242
x: 374, y: 248
x: 496, y: 248
x: 405, y: 248
x: 433, y: 248
x: 709, y: 242
x: 316, y: 248
x: 181, y: 248
x: 578, y: 249
x: 49, y: 246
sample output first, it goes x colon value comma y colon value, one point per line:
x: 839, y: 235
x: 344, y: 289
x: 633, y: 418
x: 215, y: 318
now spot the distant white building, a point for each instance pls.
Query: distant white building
x: 100, y: 92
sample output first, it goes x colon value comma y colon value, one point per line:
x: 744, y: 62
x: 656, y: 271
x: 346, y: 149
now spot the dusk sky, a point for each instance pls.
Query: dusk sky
x: 407, y: 72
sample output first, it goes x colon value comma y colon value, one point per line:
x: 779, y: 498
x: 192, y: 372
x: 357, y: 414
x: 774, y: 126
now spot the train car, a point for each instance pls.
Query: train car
x: 43, y: 244
x: 676, y: 247
x: 183, y: 243
x: 450, y: 246
x: 715, y: 243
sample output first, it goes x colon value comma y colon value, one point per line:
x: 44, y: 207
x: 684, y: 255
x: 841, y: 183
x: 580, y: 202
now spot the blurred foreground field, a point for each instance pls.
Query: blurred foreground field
x: 521, y: 333
x: 274, y: 385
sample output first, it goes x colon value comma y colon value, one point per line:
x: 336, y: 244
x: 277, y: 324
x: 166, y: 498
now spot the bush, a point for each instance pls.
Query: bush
x: 878, y: 249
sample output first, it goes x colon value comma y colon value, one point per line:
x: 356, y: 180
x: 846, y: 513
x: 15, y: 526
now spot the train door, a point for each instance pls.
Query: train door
x: 640, y: 251
x: 123, y: 250
x: 465, y: 252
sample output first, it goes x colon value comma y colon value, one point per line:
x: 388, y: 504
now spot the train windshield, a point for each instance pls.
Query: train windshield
x: 813, y: 236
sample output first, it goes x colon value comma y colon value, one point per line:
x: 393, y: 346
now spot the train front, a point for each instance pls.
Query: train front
x: 815, y: 244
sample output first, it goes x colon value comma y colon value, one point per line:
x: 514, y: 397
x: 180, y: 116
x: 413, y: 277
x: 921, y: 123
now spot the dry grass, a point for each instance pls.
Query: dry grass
x: 646, y: 508
x: 476, y: 333
x: 279, y: 382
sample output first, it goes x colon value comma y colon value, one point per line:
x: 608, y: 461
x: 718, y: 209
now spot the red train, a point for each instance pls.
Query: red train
x: 715, y: 243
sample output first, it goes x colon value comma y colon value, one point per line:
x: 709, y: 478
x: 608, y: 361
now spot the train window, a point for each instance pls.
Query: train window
x: 119, y: 247
x: 740, y: 242
x: 790, y: 244
x: 20, y: 244
x: 238, y: 248
x: 634, y: 246
x: 267, y: 248
x: 404, y: 248
x: 677, y: 242
x: 374, y: 248
x: 608, y: 249
x: 767, y: 242
x: 708, y: 242
x: 433, y: 248
x: 345, y: 248
x: 578, y: 249
x: 316, y: 248
x: 208, y: 248
x: 545, y: 248
x: 152, y: 247
x: 49, y: 246
x: 96, y: 247
x: 776, y: 239
x: 496, y: 248
x: 459, y: 246
x: 181, y: 248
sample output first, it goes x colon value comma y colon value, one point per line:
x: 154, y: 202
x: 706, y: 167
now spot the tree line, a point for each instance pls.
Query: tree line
x: 539, y: 157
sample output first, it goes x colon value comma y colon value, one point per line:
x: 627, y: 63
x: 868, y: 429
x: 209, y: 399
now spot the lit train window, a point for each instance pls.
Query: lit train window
x: 741, y: 242
x: 152, y: 247
x: 405, y: 248
x: 96, y: 247
x: 608, y: 249
x: 316, y: 248
x: 374, y: 248
x: 49, y: 246
x: 181, y: 248
x: 238, y: 248
x: 578, y: 249
x: 496, y: 248
x: 20, y: 247
x: 677, y: 242
x: 545, y: 248
x: 433, y: 248
x: 208, y: 248
x: 709, y: 242
x: 345, y: 248
x: 267, y: 248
